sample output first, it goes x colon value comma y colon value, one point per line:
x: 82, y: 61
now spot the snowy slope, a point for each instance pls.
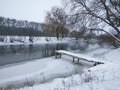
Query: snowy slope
x: 38, y: 71
x: 101, y: 77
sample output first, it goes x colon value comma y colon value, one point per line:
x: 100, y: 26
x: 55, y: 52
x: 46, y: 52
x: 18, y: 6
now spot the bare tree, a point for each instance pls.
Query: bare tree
x: 57, y: 18
x: 102, y: 11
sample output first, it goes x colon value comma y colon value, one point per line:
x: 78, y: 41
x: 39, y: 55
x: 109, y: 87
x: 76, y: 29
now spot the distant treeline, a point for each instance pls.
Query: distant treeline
x: 20, y: 31
x: 14, y: 27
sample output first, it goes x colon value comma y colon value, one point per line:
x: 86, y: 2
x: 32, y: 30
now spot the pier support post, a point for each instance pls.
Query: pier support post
x: 73, y: 59
x: 78, y: 59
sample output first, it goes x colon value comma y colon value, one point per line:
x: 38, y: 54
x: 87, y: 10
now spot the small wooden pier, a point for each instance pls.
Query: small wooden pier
x: 78, y: 57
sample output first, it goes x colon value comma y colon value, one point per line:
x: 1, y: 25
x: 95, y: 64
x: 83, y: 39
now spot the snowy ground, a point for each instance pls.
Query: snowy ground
x: 101, y: 77
x: 36, y: 72
x: 62, y: 74
x: 25, y: 40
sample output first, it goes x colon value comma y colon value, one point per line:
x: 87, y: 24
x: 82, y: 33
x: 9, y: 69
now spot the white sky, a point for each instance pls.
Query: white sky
x: 31, y: 10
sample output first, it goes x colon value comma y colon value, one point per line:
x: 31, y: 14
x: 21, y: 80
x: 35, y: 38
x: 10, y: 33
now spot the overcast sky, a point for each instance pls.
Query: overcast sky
x: 31, y: 10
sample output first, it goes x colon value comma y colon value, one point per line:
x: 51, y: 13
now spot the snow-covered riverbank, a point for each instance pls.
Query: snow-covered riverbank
x: 17, y: 40
x: 36, y: 74
x: 101, y: 77
x: 38, y: 71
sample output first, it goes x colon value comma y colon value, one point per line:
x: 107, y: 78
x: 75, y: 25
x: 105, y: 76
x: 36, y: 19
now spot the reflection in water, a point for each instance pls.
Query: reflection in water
x: 18, y: 53
x: 30, y: 49
x: 13, y: 49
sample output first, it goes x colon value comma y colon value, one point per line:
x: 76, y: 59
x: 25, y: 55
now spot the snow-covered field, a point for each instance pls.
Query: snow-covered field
x: 62, y: 74
x: 25, y: 40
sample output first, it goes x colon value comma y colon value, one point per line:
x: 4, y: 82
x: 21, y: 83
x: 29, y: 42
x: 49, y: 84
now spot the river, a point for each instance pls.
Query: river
x: 10, y: 54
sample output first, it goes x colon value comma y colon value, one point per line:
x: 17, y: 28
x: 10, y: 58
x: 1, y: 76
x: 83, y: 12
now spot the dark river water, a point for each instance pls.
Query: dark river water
x: 10, y: 54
